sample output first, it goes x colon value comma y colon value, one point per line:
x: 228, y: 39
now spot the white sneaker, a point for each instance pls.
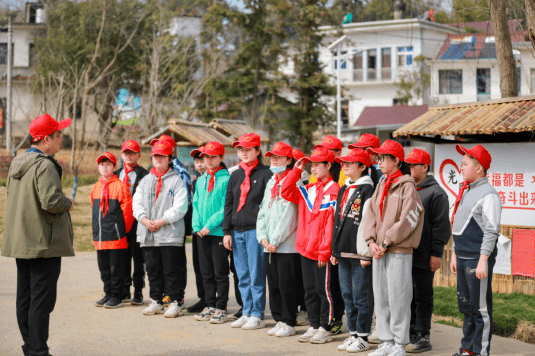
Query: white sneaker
x: 173, y: 310
x: 205, y: 315
x: 302, y: 318
x: 383, y: 350
x: 153, y: 308
x: 219, y: 317
x: 286, y: 331
x: 240, y: 322
x: 351, y: 339
x: 373, y: 338
x: 358, y: 346
x: 277, y: 327
x: 254, y: 323
x: 322, y: 336
x: 398, y: 350
x: 308, y: 335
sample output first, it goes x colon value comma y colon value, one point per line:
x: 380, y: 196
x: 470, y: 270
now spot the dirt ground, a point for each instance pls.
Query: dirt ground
x: 79, y: 328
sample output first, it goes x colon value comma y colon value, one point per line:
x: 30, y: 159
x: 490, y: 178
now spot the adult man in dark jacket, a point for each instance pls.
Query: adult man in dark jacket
x: 38, y: 230
x: 427, y: 257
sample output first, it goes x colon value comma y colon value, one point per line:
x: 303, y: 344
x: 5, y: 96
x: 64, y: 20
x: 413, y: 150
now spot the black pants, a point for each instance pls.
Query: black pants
x: 301, y: 305
x: 213, y: 259
x: 37, y: 281
x: 422, y: 301
x: 236, y: 281
x: 337, y: 299
x: 111, y: 266
x: 183, y: 267
x: 282, y: 283
x: 197, y: 267
x: 134, y: 253
x: 164, y: 266
x: 317, y: 293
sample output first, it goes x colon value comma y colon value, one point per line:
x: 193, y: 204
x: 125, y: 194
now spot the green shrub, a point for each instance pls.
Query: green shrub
x: 66, y: 182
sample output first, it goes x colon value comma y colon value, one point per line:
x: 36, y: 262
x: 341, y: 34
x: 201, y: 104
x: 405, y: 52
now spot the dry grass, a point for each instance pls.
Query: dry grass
x: 525, y: 331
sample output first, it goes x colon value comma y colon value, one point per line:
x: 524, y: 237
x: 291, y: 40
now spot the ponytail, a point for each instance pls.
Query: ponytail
x: 222, y: 164
x: 404, y: 168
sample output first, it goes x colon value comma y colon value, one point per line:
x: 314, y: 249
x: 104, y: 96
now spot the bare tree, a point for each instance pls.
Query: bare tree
x: 504, y: 49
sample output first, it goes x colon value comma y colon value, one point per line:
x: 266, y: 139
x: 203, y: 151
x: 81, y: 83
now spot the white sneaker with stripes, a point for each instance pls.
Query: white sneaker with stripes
x: 358, y: 346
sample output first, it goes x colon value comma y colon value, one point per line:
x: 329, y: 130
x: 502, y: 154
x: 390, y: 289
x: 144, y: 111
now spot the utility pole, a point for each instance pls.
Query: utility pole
x: 9, y: 91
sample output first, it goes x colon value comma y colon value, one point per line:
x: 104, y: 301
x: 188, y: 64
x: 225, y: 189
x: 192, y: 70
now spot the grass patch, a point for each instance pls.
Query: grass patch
x: 83, y: 180
x: 514, y: 314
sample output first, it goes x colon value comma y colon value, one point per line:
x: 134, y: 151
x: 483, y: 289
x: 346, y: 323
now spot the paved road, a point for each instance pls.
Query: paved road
x: 79, y: 328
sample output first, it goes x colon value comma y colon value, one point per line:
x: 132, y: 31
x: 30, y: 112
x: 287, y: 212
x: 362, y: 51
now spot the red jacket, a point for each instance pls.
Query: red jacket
x: 314, y: 231
x: 109, y: 230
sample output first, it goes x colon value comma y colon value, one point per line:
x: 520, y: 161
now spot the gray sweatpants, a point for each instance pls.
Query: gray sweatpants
x: 392, y: 290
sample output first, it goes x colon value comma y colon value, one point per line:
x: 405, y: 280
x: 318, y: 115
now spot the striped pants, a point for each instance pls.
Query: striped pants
x: 475, y: 302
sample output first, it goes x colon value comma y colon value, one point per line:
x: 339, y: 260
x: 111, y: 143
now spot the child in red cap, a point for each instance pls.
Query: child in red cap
x: 112, y: 220
x: 275, y: 230
x: 349, y: 250
x: 245, y: 191
x: 475, y: 228
x: 131, y: 174
x: 392, y: 230
x: 316, y: 214
x: 160, y: 204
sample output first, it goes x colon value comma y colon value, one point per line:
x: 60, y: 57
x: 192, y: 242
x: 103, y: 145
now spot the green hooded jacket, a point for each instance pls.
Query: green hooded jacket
x: 209, y: 209
x: 38, y: 223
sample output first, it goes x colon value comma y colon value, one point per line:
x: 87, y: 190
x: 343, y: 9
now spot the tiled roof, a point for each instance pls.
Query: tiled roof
x: 472, y: 46
x: 511, y: 115
x: 373, y: 116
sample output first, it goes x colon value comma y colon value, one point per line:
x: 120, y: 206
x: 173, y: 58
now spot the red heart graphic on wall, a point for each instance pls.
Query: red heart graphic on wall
x: 444, y: 164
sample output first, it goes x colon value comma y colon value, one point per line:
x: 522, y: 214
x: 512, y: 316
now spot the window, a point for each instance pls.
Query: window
x: 386, y: 54
x: 33, y: 56
x: 335, y: 60
x: 345, y: 113
x: 405, y: 55
x: 483, y: 84
x: 519, y: 79
x: 3, y: 53
x: 532, y: 80
x: 372, y: 64
x: 450, y: 81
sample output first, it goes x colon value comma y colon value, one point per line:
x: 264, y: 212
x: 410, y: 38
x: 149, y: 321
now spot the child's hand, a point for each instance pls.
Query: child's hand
x: 265, y: 243
x: 158, y: 223
x: 376, y: 251
x: 204, y: 232
x: 334, y: 260
x: 271, y: 248
x: 227, y: 242
x: 453, y: 263
x: 300, y: 164
x: 365, y: 263
x: 322, y: 264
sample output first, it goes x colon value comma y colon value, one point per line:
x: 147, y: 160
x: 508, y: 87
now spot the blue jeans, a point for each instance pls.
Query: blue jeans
x: 474, y: 296
x: 249, y: 263
x: 357, y: 291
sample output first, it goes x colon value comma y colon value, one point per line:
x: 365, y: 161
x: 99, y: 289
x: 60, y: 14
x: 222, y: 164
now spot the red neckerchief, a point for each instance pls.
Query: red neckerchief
x: 466, y: 185
x: 159, y: 184
x: 319, y: 193
x: 246, y: 185
x: 389, y: 180
x: 344, y: 198
x: 105, y: 195
x: 126, y: 171
x: 275, y: 189
x: 211, y: 182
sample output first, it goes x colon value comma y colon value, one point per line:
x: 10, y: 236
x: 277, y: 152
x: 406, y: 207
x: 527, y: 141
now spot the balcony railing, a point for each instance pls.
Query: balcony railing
x: 353, y: 76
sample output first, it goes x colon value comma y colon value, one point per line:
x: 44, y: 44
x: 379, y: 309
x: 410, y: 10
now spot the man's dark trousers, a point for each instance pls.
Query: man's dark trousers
x: 37, y: 281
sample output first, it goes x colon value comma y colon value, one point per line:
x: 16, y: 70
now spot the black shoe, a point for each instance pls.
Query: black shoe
x: 138, y: 298
x: 336, y: 327
x: 238, y: 314
x: 127, y: 297
x: 413, y: 338
x: 421, y: 343
x: 197, y: 307
x: 114, y: 302
x: 101, y: 302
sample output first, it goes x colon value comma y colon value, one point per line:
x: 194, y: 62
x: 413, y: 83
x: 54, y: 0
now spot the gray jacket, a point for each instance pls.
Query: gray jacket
x: 172, y: 205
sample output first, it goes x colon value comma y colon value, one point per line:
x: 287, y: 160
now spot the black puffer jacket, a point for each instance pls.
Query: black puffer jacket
x: 437, y: 230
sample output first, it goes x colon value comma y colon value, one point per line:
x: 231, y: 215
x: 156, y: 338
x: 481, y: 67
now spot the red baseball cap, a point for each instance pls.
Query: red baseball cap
x: 331, y: 143
x: 297, y: 154
x: 197, y: 150
x: 478, y: 152
x: 165, y: 138
x: 249, y: 140
x: 366, y: 140
x: 130, y: 145
x: 320, y: 154
x: 107, y: 155
x: 45, y: 125
x: 356, y: 155
x: 418, y: 156
x: 389, y: 147
x: 213, y: 148
x: 162, y: 148
x: 281, y: 149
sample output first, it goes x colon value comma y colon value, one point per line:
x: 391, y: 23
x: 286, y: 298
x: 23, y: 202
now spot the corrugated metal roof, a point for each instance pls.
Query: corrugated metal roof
x: 511, y: 115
